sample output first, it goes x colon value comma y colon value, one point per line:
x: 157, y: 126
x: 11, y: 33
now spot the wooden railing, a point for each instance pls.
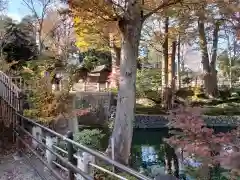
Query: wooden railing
x: 22, y: 84
x: 90, y: 87
x: 77, y: 162
x: 10, y: 101
x: 9, y: 91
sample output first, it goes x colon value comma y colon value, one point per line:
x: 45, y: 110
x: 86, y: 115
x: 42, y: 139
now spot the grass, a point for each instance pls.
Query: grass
x: 227, y: 104
x: 155, y: 109
x: 227, y: 109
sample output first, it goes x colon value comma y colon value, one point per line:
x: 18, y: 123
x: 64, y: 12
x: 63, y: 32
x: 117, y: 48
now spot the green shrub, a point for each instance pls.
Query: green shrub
x: 225, y: 93
x: 234, y: 94
x: 201, y: 96
x: 148, y: 82
x: 185, y: 92
x: 187, y: 80
x: 153, y: 95
x: 229, y: 109
x: 114, y: 90
x: 199, y: 92
x: 92, y: 138
x: 140, y: 109
x: 236, y: 91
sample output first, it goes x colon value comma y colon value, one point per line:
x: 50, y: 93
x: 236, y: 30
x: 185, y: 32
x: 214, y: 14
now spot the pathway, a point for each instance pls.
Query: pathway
x: 15, y: 169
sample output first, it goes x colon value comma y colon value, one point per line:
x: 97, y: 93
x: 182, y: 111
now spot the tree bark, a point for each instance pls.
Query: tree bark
x: 165, y: 65
x: 213, y: 71
x: 115, y: 53
x: 173, y: 65
x: 123, y: 125
x: 40, y: 45
x: 165, y: 53
x: 209, y: 68
x: 173, y: 72
x: 179, y: 63
x: 171, y: 161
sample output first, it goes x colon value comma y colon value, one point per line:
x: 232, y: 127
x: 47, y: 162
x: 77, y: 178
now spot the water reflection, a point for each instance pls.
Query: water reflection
x: 151, y: 156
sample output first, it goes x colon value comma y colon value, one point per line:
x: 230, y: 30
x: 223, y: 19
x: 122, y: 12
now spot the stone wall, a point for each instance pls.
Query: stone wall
x: 99, y: 104
x: 159, y: 121
x: 103, y: 107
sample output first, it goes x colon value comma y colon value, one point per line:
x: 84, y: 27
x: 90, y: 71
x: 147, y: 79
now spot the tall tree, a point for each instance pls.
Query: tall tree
x: 18, y: 44
x: 39, y: 10
x: 130, y: 16
x: 60, y: 37
x: 230, y: 72
x: 209, y: 63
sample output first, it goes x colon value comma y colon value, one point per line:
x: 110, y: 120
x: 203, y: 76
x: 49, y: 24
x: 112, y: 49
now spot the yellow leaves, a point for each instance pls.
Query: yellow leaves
x: 93, y: 21
x: 27, y: 70
x: 92, y: 8
x: 93, y: 32
x: 173, y: 32
x: 82, y: 44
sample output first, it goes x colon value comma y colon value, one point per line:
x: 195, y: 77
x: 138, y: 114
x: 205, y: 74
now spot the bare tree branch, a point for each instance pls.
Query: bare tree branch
x: 39, y: 17
x: 3, y: 5
x: 163, y: 5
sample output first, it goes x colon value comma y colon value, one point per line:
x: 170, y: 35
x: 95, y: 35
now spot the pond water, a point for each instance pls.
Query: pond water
x: 149, y: 155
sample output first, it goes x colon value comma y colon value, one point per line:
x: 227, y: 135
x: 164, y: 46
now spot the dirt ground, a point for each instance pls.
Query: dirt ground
x: 12, y: 168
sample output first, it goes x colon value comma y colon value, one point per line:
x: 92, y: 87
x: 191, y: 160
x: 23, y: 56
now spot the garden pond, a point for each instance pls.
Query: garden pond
x: 149, y: 155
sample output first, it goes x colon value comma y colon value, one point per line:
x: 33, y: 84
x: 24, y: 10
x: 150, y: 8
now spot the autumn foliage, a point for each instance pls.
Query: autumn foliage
x: 113, y: 78
x: 193, y: 136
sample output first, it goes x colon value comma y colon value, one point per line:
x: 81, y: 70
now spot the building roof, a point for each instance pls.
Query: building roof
x: 100, y: 68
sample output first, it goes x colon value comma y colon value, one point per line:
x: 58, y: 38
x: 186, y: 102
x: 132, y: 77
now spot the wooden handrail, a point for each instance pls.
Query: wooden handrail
x: 9, y: 91
x: 5, y: 79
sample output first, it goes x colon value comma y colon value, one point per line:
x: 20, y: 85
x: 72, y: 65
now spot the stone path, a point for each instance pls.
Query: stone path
x: 12, y: 169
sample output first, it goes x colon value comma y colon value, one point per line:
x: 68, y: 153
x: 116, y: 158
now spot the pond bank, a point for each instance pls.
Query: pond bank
x: 159, y: 121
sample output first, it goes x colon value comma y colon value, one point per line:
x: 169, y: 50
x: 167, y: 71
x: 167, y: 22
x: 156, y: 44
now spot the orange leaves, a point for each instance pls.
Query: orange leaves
x: 193, y: 136
x: 93, y: 24
x: 82, y: 112
x: 93, y: 8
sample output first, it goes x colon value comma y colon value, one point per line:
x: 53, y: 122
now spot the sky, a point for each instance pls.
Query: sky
x: 16, y: 10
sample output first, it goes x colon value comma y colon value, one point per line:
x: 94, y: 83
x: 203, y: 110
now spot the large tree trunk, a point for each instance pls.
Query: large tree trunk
x: 115, y: 53
x: 173, y: 72
x: 165, y: 55
x: 213, y: 71
x: 179, y: 63
x: 209, y: 70
x: 123, y: 125
x: 165, y: 82
x: 171, y: 161
x: 173, y: 65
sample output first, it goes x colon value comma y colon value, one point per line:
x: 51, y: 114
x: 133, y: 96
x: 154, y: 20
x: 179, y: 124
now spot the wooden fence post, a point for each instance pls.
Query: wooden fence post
x: 84, y: 86
x: 70, y: 149
x: 19, y: 125
x: 83, y: 161
x: 98, y: 87
x: 49, y: 143
x: 36, y: 133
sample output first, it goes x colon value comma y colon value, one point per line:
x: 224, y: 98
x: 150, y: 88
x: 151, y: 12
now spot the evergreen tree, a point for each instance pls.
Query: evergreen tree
x: 18, y: 43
